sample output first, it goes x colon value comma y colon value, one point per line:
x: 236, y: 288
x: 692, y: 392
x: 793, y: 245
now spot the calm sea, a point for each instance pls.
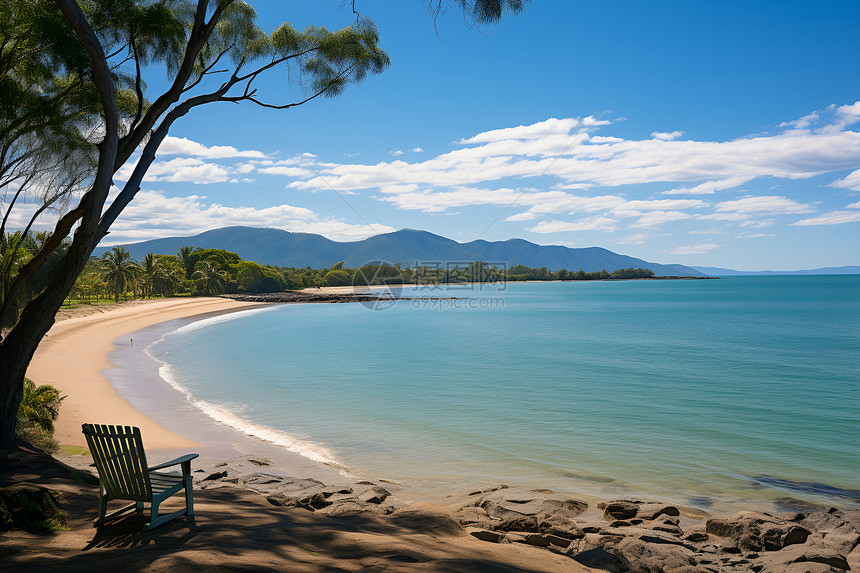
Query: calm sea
x: 707, y: 392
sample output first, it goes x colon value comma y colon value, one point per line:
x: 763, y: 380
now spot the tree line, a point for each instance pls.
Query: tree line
x: 211, y: 272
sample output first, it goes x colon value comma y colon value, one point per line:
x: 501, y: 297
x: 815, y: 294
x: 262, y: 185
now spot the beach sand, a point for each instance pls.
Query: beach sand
x: 74, y: 353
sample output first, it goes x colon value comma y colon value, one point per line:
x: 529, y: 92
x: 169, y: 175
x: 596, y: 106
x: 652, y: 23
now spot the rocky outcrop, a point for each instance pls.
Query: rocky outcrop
x: 281, y: 489
x: 623, y: 536
x: 651, y: 537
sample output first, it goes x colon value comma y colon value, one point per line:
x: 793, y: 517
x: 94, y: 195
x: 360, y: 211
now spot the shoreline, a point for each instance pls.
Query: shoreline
x: 632, y: 534
x: 74, y: 354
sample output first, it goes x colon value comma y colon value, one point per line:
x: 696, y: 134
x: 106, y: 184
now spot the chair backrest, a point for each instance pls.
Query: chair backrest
x: 121, y: 461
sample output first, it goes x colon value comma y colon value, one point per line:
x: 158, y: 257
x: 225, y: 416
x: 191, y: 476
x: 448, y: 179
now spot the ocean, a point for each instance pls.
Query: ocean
x: 711, y: 393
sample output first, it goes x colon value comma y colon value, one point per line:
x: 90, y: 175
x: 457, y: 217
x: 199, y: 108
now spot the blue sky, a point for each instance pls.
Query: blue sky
x: 701, y: 133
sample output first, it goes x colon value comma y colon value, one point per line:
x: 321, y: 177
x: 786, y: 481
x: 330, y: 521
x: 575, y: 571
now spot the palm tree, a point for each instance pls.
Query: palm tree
x: 39, y: 406
x: 149, y: 268
x: 188, y: 257
x: 119, y: 270
x: 208, y: 278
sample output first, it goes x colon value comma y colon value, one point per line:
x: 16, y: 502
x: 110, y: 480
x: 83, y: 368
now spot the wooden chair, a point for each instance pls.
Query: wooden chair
x: 124, y: 474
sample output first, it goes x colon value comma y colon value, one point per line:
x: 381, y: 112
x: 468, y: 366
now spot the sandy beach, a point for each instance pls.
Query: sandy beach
x: 74, y: 353
x: 258, y: 513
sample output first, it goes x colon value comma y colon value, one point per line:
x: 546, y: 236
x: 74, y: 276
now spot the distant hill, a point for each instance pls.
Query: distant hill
x: 718, y: 272
x: 407, y: 246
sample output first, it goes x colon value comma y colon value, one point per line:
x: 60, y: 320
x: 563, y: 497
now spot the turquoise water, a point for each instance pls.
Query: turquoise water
x: 702, y: 392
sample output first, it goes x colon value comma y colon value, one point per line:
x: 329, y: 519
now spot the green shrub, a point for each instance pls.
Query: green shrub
x: 40, y: 406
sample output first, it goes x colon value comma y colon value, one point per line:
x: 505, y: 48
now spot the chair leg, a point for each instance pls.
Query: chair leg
x: 189, y: 496
x: 138, y: 506
x: 102, y: 508
x: 153, y: 514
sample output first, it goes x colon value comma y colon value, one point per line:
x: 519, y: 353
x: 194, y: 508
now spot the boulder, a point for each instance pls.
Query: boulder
x: 426, y: 518
x: 375, y: 494
x: 620, y: 510
x: 753, y: 531
x: 514, y: 509
x: 486, y: 535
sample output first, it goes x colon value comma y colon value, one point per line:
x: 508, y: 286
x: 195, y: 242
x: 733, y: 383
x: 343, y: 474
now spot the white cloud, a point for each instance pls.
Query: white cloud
x: 764, y: 204
x: 853, y: 205
x: 417, y: 150
x: 589, y: 224
x: 757, y: 224
x: 708, y: 187
x: 396, y: 152
x: 564, y: 152
x: 525, y: 216
x: 693, y: 249
x: 755, y: 235
x: 656, y: 218
x: 540, y: 130
x: 182, y: 146
x: 832, y: 218
x: 803, y: 122
x: 851, y: 181
x: 850, y: 113
x: 286, y: 170
x: 154, y: 215
x: 667, y: 136
x: 634, y: 239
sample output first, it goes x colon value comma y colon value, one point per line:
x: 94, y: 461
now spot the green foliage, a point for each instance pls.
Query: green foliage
x: 208, y: 279
x: 337, y: 277
x: 254, y: 278
x: 39, y: 408
x: 119, y: 270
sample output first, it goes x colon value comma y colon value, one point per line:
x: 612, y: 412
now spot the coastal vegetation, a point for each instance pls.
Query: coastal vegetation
x: 210, y: 272
x: 39, y: 408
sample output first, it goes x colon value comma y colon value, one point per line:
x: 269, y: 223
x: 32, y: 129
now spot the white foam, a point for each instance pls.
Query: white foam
x: 198, y: 324
x: 222, y: 415
x: 304, y: 448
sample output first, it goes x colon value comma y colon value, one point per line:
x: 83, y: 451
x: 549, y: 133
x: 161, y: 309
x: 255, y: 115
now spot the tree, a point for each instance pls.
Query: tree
x: 197, y: 42
x: 208, y: 280
x: 119, y: 270
x: 40, y: 406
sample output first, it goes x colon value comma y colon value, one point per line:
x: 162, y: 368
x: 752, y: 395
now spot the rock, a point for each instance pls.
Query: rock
x: 345, y: 508
x: 840, y: 529
x: 514, y: 509
x: 648, y: 557
x: 376, y: 495
x: 831, y: 559
x: 657, y: 537
x: 486, y: 535
x: 620, y: 523
x: 426, y: 518
x: 649, y: 511
x: 316, y: 501
x: 559, y: 541
x: 599, y: 558
x: 216, y: 475
x: 620, y: 510
x: 758, y: 531
x: 697, y: 536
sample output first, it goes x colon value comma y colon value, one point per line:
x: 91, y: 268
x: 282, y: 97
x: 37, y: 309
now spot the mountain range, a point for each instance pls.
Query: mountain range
x: 407, y: 246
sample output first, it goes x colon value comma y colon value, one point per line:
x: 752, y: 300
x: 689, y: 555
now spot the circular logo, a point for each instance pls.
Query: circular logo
x: 381, y: 281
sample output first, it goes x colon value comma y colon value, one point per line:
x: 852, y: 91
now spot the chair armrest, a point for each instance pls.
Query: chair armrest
x: 176, y: 462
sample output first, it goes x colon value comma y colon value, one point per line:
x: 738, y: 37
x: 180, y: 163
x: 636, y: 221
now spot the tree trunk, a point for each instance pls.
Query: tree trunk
x: 18, y: 347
